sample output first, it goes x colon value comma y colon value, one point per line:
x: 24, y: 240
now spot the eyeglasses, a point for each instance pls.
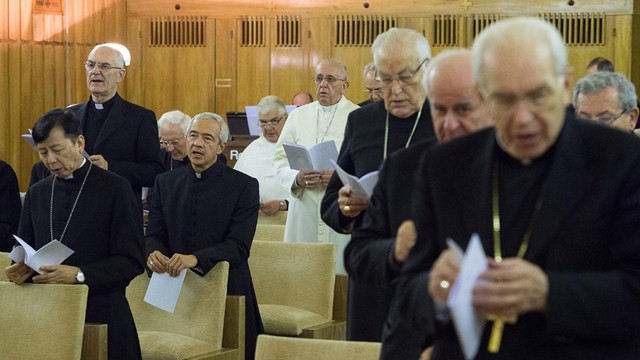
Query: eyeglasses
x: 404, y: 78
x: 270, y: 123
x: 605, y: 119
x: 330, y: 79
x: 165, y: 143
x: 90, y: 65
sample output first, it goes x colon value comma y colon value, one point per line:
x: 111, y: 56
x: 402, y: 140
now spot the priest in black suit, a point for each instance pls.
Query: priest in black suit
x: 206, y: 213
x: 372, y: 133
x: 10, y: 208
x: 556, y: 204
x: 120, y: 136
x: 93, y: 212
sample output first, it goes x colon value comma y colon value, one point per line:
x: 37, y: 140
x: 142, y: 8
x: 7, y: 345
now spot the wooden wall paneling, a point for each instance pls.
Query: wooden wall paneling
x: 319, y: 45
x: 5, y: 93
x: 59, y: 60
x: 253, y: 73
x: 23, y: 25
x: 635, y: 50
x: 623, y: 37
x: 289, y: 62
x: 137, y: 40
x: 4, y: 19
x: 225, y: 61
x: 46, y: 80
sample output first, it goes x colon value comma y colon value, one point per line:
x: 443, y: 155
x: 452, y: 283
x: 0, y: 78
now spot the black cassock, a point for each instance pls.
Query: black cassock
x: 214, y: 218
x: 105, y: 233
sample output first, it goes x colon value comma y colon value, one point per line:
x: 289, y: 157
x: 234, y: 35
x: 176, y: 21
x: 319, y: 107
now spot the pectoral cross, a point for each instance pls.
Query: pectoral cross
x: 496, y: 331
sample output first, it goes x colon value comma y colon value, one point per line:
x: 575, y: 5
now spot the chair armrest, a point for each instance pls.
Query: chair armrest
x: 94, y: 342
x: 234, y: 319
x: 340, y: 298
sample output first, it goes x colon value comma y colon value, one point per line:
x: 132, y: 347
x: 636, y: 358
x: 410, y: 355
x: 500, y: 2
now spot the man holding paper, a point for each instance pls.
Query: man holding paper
x: 372, y: 133
x: 94, y: 213
x: 206, y: 213
x: 318, y: 122
x: 555, y: 207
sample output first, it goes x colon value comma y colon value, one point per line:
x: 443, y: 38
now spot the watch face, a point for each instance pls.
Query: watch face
x: 80, y: 277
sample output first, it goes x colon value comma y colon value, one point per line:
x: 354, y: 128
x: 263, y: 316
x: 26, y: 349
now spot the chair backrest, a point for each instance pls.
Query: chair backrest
x: 301, y: 275
x: 200, y: 310
x: 269, y: 232
x: 4, y: 263
x: 279, y: 218
x: 41, y: 321
x: 289, y: 348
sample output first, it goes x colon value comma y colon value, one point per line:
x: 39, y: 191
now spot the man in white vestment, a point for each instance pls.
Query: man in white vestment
x: 308, y: 125
x: 257, y: 159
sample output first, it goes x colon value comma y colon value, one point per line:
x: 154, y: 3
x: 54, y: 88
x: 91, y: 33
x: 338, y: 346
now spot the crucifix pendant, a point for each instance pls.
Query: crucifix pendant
x: 496, y: 331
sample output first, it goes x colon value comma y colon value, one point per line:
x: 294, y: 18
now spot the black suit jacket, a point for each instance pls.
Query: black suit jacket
x: 128, y: 141
x: 586, y: 239
x: 10, y: 206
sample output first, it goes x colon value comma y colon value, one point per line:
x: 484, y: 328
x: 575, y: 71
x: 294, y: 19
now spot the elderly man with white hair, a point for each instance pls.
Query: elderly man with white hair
x: 205, y: 213
x: 257, y: 158
x: 119, y: 136
x: 555, y: 205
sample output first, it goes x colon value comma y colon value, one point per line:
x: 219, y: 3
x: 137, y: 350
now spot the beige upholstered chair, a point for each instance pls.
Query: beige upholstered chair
x: 4, y: 262
x: 41, y: 321
x: 269, y: 232
x: 294, y: 284
x: 280, y: 218
x: 287, y: 348
x: 195, y: 329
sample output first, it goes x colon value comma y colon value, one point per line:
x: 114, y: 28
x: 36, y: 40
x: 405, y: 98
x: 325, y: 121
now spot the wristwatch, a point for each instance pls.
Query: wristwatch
x: 80, y: 277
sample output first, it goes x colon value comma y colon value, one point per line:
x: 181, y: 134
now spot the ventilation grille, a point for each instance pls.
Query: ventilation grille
x: 288, y: 31
x: 481, y: 21
x: 253, y: 31
x: 579, y: 28
x: 177, y: 31
x: 445, y: 30
x: 361, y: 30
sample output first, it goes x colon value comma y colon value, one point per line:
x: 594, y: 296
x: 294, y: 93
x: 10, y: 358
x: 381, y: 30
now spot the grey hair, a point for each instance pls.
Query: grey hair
x: 175, y: 117
x: 342, y: 68
x: 601, y: 80
x: 123, y: 57
x: 224, y: 128
x: 271, y: 103
x: 516, y: 31
x: 396, y: 40
x: 369, y: 68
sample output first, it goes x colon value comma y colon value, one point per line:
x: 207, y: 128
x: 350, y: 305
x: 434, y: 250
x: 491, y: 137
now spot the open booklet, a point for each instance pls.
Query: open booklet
x: 29, y: 139
x: 359, y: 187
x: 467, y: 323
x: 316, y: 158
x: 53, y: 253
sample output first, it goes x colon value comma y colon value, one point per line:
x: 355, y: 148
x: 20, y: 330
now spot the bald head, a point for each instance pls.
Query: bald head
x: 455, y: 103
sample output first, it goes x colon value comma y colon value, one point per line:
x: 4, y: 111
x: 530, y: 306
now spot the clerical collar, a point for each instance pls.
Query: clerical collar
x: 505, y: 156
x: 211, y: 171
x: 330, y: 109
x: 70, y: 176
x: 102, y: 106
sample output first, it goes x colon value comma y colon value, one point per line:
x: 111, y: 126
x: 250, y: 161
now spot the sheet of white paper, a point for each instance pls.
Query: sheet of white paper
x: 53, y: 253
x: 467, y: 323
x: 362, y: 187
x: 252, y: 120
x: 164, y: 290
x: 322, y: 154
x: 298, y: 156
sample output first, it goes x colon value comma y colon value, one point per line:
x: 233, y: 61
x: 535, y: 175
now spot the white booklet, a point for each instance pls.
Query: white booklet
x: 164, y: 290
x: 54, y: 253
x: 467, y: 323
x: 316, y: 158
x: 362, y: 187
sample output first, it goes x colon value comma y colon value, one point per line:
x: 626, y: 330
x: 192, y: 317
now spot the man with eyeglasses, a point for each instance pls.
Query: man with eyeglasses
x: 607, y: 98
x: 205, y: 213
x: 373, y: 88
x: 320, y: 121
x: 257, y: 158
x: 373, y: 133
x: 119, y: 136
x: 555, y: 203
